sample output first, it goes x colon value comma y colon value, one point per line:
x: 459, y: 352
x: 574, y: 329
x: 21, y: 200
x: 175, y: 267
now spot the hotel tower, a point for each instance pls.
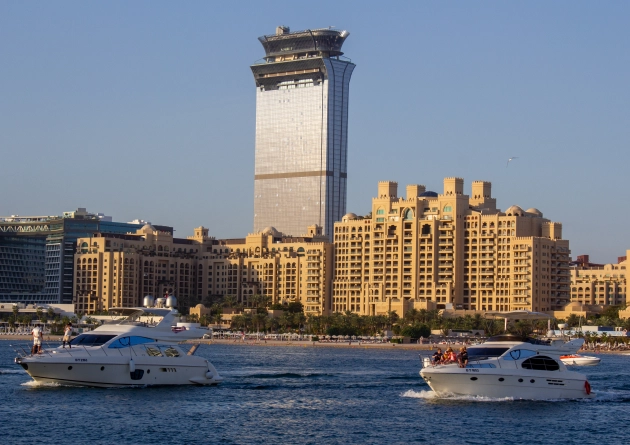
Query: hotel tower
x: 301, y: 131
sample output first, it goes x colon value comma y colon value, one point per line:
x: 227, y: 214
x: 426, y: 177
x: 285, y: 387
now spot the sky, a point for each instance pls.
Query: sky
x: 146, y: 109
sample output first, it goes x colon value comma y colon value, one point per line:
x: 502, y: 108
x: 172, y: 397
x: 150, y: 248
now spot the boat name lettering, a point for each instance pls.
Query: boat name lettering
x: 472, y: 370
x: 80, y: 360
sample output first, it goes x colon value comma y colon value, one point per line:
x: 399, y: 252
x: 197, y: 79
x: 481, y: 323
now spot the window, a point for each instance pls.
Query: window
x: 125, y: 342
x: 541, y: 363
x: 518, y: 354
x: 479, y: 353
x: 171, y: 352
x: 91, y: 340
x: 154, y: 352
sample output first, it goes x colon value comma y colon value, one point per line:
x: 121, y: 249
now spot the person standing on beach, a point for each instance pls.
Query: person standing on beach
x: 37, y: 340
x: 67, y: 333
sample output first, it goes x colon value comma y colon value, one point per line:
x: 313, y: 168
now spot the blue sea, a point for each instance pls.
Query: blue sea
x: 307, y: 395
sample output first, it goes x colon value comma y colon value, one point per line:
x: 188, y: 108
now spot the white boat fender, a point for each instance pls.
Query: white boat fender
x: 209, y: 375
x: 132, y: 365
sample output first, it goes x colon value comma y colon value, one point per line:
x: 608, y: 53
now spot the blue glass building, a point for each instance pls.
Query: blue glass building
x: 37, y: 254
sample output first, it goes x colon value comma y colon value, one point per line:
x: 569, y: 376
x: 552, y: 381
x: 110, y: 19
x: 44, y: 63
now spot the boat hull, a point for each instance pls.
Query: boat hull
x: 501, y: 383
x: 100, y: 373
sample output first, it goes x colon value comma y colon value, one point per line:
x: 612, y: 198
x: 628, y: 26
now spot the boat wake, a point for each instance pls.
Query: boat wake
x: 608, y: 396
x: 34, y: 384
x: 601, y: 397
x: 11, y: 371
x: 431, y: 395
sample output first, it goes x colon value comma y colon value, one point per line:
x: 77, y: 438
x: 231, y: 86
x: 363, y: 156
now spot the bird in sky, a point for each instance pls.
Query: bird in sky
x: 508, y: 161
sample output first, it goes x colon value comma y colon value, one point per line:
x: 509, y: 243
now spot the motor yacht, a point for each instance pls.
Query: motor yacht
x: 580, y: 360
x: 510, y: 367
x: 126, y: 352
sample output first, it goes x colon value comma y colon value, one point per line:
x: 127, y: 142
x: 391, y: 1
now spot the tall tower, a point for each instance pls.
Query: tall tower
x: 301, y: 130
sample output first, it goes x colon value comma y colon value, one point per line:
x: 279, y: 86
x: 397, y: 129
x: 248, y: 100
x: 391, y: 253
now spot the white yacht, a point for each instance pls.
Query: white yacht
x: 510, y: 367
x: 129, y: 352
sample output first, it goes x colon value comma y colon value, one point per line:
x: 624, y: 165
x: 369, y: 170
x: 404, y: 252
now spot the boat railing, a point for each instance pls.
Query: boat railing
x: 51, y: 351
x: 427, y: 362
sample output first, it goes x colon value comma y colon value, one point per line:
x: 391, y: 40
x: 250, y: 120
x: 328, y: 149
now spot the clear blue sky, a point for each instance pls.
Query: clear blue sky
x: 146, y: 109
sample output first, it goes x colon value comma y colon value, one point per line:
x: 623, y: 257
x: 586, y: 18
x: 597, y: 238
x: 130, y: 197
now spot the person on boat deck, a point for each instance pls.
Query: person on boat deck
x: 67, y: 332
x: 450, y: 355
x: 463, y: 357
x: 37, y: 340
x: 437, y: 356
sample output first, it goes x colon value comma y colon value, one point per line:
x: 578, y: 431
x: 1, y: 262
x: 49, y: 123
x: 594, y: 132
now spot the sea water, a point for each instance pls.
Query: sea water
x: 307, y: 395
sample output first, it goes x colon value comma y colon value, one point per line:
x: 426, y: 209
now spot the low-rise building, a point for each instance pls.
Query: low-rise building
x: 599, y: 285
x: 118, y: 270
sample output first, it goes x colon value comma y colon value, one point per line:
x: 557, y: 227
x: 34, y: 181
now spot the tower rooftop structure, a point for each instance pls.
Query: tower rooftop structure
x: 323, y: 41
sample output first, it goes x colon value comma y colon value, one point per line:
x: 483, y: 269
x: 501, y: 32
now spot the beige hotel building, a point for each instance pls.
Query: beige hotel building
x: 593, y: 287
x: 424, y: 251
x: 119, y: 270
x: 449, y: 250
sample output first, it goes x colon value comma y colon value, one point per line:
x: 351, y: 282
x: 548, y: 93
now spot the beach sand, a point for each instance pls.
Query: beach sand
x: 23, y: 340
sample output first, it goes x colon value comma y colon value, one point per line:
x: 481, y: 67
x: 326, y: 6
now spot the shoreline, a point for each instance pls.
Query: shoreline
x: 306, y: 344
x: 362, y: 345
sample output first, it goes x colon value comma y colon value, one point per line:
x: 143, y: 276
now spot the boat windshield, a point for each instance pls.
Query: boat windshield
x: 125, y: 342
x: 478, y: 353
x: 91, y: 340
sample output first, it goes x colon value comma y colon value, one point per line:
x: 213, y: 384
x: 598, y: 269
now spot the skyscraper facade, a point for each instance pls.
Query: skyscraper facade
x: 301, y: 130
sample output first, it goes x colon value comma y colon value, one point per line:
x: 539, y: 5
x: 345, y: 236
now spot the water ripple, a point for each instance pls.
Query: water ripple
x: 309, y: 396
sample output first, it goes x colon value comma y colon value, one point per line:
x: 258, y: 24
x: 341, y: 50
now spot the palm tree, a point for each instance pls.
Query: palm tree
x: 216, y: 308
x: 238, y: 321
x: 298, y: 320
x: 392, y: 317
x: 284, y: 321
x: 259, y: 320
x: 229, y: 301
x: 271, y: 324
x: 572, y: 321
x: 411, y: 316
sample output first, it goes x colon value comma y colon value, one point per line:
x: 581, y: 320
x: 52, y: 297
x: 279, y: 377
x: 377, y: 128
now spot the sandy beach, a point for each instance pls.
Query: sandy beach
x: 26, y: 340
x: 316, y: 344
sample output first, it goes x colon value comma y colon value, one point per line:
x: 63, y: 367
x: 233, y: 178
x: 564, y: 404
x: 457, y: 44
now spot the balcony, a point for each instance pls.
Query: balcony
x: 521, y: 302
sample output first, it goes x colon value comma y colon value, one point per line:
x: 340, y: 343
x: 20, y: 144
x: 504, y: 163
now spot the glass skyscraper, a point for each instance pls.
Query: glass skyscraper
x: 301, y: 131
